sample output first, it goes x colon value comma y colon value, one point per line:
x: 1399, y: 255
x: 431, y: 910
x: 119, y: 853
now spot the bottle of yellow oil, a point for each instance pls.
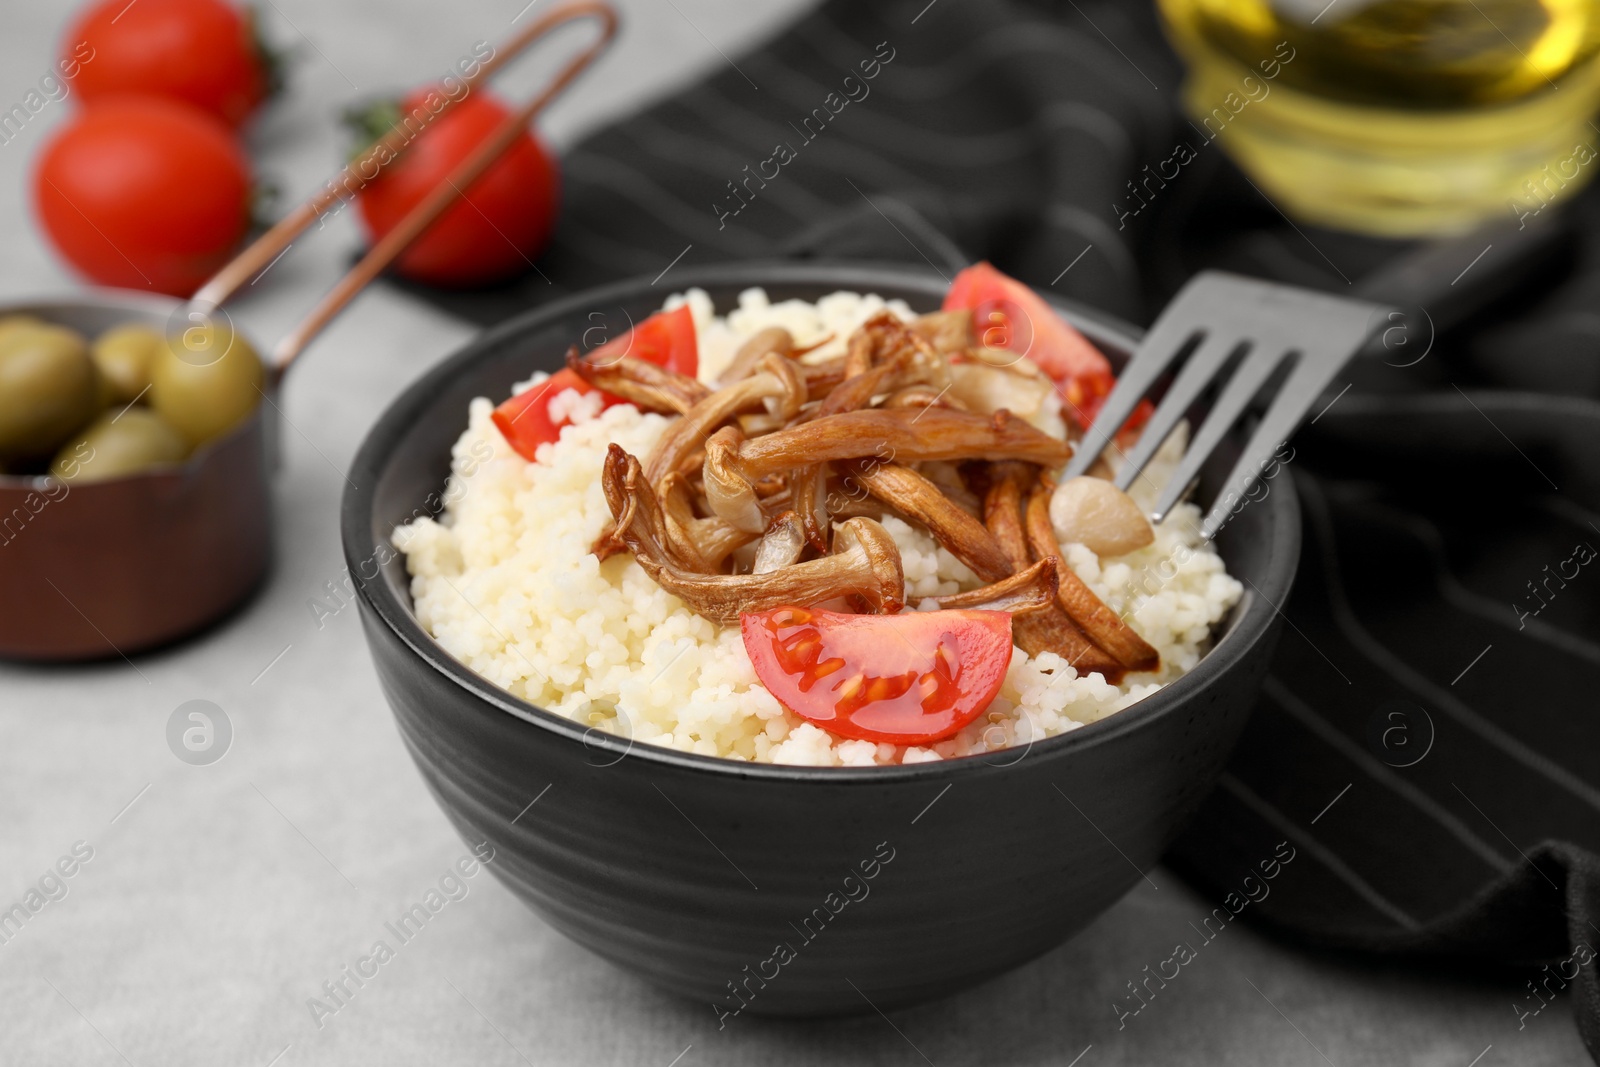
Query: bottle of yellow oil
x: 1397, y: 117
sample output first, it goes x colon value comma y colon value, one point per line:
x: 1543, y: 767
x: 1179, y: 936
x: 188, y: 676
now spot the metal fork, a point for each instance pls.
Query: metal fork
x: 1216, y: 317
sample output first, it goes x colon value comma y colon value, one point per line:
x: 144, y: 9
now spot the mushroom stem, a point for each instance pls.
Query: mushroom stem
x: 1024, y: 593
x: 1052, y: 631
x: 918, y: 499
x: 1048, y: 631
x: 729, y: 492
x: 710, y: 540
x: 773, y: 339
x: 643, y: 383
x: 779, y: 383
x: 865, y: 563
x: 809, y: 486
x: 906, y: 435
x: 1104, y: 626
x: 949, y: 332
x: 923, y: 395
x: 1002, y: 509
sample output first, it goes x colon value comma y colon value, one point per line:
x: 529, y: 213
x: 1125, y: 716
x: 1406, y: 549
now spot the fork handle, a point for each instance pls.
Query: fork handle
x: 1452, y: 279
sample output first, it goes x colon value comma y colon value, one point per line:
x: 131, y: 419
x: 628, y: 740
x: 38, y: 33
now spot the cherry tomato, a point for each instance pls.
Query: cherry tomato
x: 666, y: 339
x: 524, y: 420
x: 501, y: 224
x: 203, y: 52
x: 144, y: 193
x: 1007, y: 314
x: 906, y: 679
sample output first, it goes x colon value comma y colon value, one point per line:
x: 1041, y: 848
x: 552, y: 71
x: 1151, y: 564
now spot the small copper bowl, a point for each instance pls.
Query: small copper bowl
x: 118, y: 566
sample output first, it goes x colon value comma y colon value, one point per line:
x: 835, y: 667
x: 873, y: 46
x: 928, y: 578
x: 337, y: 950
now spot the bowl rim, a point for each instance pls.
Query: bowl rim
x: 1249, y: 623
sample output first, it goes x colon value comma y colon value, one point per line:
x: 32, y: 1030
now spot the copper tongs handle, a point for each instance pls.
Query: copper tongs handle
x: 276, y: 241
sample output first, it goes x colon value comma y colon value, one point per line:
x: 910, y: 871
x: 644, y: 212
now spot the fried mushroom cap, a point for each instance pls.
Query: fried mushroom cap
x: 781, y: 546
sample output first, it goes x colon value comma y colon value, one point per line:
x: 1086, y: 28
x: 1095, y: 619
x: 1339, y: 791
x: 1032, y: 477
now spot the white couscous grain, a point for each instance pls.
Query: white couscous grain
x: 505, y: 582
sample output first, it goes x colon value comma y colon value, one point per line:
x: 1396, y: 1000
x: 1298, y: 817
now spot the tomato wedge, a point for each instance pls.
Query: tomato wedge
x: 524, y: 420
x: 906, y: 679
x: 1008, y: 314
x: 666, y: 339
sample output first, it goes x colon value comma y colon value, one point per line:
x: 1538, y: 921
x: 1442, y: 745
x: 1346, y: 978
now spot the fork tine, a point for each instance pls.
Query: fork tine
x: 1306, y: 382
x: 1204, y: 299
x: 1156, y: 353
x: 1242, y: 388
x: 1227, y: 312
x: 1200, y: 370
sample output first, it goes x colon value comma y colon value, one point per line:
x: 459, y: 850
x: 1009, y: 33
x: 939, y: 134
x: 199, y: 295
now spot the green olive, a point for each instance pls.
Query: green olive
x: 205, y: 382
x: 105, y: 394
x: 48, y: 389
x: 11, y: 323
x: 123, y: 354
x: 120, y: 442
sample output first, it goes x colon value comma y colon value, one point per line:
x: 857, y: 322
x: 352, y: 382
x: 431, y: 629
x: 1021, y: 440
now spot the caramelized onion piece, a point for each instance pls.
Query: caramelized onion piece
x: 907, y: 435
x: 1104, y: 626
x: 640, y: 382
x: 920, y: 500
x: 865, y: 563
x: 773, y: 339
x: 1028, y: 591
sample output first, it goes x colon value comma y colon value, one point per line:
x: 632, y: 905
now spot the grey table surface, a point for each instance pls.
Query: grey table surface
x: 220, y: 898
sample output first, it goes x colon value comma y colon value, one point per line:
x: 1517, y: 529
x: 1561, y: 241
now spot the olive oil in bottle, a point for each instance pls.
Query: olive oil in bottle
x: 1397, y: 117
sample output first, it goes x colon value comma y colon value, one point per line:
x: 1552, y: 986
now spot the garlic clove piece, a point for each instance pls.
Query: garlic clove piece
x: 1096, y: 514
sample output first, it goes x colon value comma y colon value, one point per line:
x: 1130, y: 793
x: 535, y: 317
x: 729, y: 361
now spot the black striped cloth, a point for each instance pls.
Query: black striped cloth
x: 1424, y: 739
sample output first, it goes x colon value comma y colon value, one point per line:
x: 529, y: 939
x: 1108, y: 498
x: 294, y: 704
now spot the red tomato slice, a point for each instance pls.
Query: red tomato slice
x: 1007, y: 314
x: 906, y: 679
x: 524, y: 420
x: 666, y: 339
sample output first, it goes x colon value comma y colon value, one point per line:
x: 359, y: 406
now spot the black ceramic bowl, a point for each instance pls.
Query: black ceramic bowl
x: 787, y: 890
